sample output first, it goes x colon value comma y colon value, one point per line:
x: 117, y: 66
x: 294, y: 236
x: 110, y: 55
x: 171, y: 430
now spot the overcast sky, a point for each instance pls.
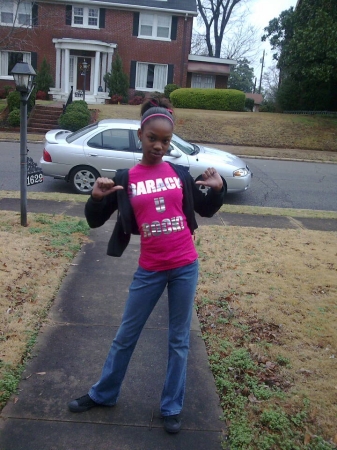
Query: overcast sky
x: 262, y: 11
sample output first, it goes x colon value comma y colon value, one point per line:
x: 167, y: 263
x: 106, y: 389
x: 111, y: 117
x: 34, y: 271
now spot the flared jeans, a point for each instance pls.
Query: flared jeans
x: 144, y: 293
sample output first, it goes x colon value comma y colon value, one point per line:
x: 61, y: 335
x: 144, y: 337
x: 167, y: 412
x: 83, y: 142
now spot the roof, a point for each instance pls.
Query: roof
x: 258, y: 98
x: 210, y: 59
x: 173, y: 6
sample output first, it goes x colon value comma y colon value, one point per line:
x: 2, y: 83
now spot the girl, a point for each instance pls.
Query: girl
x: 157, y: 200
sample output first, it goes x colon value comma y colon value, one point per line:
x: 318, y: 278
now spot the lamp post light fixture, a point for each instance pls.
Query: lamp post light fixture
x: 84, y: 68
x: 24, y: 76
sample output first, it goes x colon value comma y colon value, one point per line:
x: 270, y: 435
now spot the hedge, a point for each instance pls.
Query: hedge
x: 14, y: 118
x: 214, y: 99
x: 74, y: 120
x: 77, y: 116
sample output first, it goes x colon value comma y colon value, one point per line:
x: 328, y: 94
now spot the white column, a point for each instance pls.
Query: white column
x: 96, y: 71
x: 66, y: 70
x: 58, y: 69
x: 103, y: 68
x: 62, y: 71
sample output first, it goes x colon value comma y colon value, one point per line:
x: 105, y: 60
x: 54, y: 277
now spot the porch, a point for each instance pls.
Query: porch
x: 82, y: 64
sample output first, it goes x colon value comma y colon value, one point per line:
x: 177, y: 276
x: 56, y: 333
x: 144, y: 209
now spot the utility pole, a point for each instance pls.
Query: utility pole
x: 262, y: 62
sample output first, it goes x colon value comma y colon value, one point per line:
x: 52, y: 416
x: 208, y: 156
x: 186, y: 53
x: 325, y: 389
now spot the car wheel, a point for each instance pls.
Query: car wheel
x: 82, y: 179
x: 204, y: 189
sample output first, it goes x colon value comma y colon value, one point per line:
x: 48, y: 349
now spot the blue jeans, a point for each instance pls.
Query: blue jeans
x: 145, y: 291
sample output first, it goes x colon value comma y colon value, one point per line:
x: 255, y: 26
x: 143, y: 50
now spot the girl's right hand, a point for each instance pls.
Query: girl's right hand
x: 104, y: 186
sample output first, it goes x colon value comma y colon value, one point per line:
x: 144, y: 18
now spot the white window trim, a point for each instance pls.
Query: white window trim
x: 4, y: 61
x: 85, y: 17
x: 16, y: 24
x: 155, y: 22
x: 144, y: 89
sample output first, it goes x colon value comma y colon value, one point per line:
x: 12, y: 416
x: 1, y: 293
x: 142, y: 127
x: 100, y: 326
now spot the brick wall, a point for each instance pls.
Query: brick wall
x: 118, y: 29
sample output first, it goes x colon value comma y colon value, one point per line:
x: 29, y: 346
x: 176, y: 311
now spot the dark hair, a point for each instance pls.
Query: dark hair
x: 152, y: 106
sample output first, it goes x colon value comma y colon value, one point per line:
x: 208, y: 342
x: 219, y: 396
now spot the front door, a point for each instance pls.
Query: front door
x: 81, y: 77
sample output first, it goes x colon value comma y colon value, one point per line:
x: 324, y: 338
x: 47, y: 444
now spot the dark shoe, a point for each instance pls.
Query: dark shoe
x: 172, y: 424
x: 82, y: 404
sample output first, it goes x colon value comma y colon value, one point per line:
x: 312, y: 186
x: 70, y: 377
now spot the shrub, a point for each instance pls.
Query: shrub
x: 79, y: 103
x: 79, y: 106
x: 116, y: 80
x: 115, y: 99
x: 268, y: 107
x: 41, y: 95
x: 74, y: 120
x: 44, y: 79
x: 136, y: 100
x: 213, y: 99
x: 249, y: 104
x: 6, y: 90
x: 13, y: 118
x: 170, y: 88
x: 139, y: 94
x: 2, y: 94
x: 13, y: 100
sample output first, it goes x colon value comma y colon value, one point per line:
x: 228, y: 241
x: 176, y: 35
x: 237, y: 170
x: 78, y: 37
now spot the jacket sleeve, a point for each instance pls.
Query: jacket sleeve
x: 98, y: 212
x: 206, y: 205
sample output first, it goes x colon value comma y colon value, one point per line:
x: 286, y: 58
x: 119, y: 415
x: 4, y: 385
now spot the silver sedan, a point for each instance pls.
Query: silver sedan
x: 100, y: 149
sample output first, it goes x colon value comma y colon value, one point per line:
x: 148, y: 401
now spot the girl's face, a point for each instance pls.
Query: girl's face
x: 155, y: 137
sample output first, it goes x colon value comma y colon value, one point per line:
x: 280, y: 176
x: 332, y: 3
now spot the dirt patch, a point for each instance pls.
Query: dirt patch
x: 33, y: 261
x: 272, y: 293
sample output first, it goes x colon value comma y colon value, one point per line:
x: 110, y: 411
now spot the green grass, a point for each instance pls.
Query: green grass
x: 240, y: 384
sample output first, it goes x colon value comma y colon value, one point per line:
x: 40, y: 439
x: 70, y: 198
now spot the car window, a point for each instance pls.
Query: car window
x: 136, y: 140
x: 111, y: 140
x: 77, y: 134
x: 184, y: 146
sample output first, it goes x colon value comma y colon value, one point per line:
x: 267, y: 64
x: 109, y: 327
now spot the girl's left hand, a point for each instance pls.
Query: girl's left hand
x: 211, y: 179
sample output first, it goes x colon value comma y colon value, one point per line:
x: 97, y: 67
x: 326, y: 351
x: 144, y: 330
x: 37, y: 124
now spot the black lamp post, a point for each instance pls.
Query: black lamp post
x: 84, y: 68
x: 24, y: 75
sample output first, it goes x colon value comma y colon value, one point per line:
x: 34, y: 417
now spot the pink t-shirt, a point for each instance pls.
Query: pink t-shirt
x: 156, y: 196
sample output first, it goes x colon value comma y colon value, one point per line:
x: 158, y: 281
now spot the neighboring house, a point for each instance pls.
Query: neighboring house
x: 153, y: 38
x: 258, y: 99
x: 206, y: 72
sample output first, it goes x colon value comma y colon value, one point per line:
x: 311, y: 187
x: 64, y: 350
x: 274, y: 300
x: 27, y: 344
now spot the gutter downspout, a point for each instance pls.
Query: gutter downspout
x: 183, y: 53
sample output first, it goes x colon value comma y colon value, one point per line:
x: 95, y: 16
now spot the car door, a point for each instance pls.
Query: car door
x: 110, y: 150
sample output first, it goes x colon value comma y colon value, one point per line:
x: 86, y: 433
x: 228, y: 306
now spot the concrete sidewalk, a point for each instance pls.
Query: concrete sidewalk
x: 226, y: 219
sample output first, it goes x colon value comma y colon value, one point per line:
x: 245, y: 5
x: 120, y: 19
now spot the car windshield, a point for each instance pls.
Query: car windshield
x: 77, y: 134
x: 186, y: 147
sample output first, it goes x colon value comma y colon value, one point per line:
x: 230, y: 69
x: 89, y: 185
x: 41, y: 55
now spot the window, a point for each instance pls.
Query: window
x: 17, y: 13
x: 111, y: 140
x: 151, y: 77
x: 154, y: 26
x: 203, y: 81
x: 85, y: 17
x: 8, y: 61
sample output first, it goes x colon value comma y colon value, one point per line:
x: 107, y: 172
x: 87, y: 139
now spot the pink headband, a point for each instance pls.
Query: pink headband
x: 157, y: 115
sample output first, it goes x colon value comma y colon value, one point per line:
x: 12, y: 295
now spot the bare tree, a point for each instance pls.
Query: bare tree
x: 241, y: 41
x: 270, y: 83
x: 215, y: 15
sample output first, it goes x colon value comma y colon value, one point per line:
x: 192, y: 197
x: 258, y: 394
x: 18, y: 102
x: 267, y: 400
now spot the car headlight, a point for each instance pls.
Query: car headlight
x: 240, y: 172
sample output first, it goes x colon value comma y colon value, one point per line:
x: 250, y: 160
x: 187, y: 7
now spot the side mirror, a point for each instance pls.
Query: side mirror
x: 175, y: 153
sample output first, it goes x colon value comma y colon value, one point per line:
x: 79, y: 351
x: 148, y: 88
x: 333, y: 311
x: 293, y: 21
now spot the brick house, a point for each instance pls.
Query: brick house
x: 153, y: 38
